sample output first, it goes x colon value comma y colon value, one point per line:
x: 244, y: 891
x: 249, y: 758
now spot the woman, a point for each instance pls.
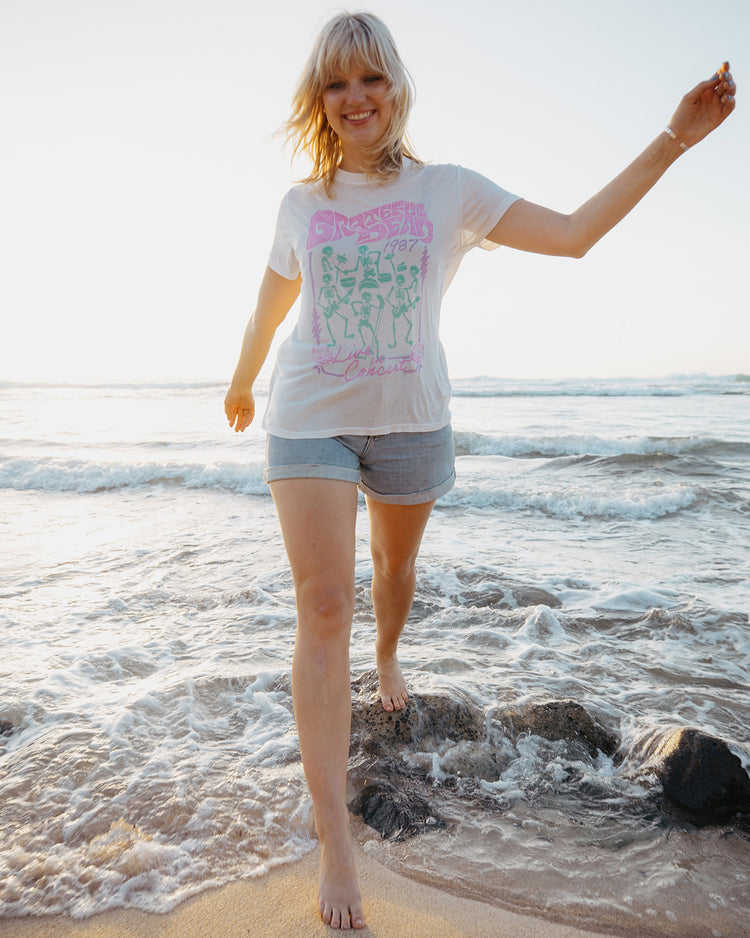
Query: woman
x: 359, y: 395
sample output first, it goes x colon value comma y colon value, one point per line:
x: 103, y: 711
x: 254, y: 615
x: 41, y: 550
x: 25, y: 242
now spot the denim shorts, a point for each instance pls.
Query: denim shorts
x: 400, y: 468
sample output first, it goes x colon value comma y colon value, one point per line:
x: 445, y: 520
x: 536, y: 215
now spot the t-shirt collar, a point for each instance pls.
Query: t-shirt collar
x: 362, y: 179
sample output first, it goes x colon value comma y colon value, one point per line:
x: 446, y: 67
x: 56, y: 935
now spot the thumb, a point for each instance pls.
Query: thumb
x: 702, y: 87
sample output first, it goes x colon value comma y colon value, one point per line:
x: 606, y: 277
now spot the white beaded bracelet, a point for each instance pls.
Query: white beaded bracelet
x: 668, y: 130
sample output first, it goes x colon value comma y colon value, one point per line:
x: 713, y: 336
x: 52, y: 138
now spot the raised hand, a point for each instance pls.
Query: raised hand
x: 705, y: 107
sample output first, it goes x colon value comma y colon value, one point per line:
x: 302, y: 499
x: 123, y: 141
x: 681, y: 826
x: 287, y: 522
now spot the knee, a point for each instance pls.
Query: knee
x: 325, y: 610
x: 394, y: 569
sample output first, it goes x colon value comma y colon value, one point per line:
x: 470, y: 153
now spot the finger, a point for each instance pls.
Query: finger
x: 723, y: 81
x: 726, y: 92
x: 725, y: 86
x: 245, y: 418
x: 709, y: 83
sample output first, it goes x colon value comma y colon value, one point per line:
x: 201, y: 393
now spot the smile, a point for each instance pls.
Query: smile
x: 359, y: 116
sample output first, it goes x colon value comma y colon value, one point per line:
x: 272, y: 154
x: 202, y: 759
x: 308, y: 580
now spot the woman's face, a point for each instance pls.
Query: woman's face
x: 359, y: 110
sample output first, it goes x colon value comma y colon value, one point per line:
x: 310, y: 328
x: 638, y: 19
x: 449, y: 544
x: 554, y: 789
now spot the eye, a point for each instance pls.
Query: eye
x: 335, y: 85
x: 371, y: 79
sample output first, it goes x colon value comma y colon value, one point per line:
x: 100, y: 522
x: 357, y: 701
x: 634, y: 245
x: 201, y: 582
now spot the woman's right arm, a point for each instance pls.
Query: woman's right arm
x: 275, y: 299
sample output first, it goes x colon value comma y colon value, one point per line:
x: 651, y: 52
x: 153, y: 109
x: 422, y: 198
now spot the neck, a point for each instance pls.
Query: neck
x: 356, y: 163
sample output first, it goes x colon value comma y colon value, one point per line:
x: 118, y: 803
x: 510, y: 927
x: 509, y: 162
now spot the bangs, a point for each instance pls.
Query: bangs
x: 352, y: 43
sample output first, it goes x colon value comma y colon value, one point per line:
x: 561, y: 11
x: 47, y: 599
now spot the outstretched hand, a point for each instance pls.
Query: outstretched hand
x: 704, y: 108
x: 239, y: 407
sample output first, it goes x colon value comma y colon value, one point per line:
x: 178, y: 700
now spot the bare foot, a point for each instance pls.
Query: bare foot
x: 393, y: 691
x: 339, y: 900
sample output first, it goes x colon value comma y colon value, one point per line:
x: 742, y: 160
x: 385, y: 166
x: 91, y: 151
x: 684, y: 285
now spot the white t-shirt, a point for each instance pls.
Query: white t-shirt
x: 365, y: 356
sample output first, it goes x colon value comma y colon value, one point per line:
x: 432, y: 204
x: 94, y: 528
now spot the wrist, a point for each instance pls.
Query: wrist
x: 675, y: 139
x: 241, y: 383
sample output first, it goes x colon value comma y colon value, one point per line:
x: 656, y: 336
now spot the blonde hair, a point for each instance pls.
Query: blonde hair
x: 350, y: 40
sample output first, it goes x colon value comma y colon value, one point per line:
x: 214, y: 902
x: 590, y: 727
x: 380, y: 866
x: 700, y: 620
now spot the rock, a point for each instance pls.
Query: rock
x: 394, y: 811
x: 698, y: 772
x: 366, y: 684
x: 534, y: 596
x: 560, y: 719
x: 512, y: 596
x: 425, y: 719
x: 494, y: 596
x: 469, y: 759
x: 5, y: 728
x: 391, y: 795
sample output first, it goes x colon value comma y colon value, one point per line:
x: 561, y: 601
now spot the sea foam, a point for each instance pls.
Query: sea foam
x: 52, y: 474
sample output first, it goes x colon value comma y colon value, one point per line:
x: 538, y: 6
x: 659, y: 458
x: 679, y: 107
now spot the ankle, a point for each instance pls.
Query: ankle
x: 385, y: 651
x: 333, y: 827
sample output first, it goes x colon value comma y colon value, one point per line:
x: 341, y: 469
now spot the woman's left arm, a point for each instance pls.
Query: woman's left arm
x: 530, y: 227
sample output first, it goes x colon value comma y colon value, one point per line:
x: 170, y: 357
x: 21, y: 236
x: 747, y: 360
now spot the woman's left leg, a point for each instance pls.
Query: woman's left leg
x: 395, y: 536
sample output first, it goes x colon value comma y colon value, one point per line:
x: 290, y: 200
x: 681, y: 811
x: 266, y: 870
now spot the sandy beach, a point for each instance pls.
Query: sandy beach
x: 282, y: 904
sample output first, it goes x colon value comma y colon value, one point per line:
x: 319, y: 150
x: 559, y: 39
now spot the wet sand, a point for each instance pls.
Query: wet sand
x: 283, y: 903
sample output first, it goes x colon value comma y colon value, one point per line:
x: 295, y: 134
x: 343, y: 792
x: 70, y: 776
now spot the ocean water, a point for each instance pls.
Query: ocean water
x: 147, y: 744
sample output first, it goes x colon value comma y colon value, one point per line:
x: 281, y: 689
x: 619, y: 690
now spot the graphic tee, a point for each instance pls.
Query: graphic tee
x: 365, y: 355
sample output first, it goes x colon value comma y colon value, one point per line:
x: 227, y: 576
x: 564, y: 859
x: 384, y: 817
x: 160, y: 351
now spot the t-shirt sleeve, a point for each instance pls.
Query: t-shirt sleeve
x: 283, y: 258
x: 483, y: 204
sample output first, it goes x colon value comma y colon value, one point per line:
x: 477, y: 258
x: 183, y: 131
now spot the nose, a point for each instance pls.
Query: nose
x: 356, y: 92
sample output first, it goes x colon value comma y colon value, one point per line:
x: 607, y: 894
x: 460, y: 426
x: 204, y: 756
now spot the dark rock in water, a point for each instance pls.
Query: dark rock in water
x: 410, y: 769
x: 534, y: 596
x: 398, y: 791
x: 366, y: 684
x: 391, y: 793
x: 377, y: 730
x: 561, y: 719
x: 394, y: 812
x: 422, y: 608
x: 5, y: 728
x: 426, y: 718
x: 469, y: 759
x: 698, y: 772
x: 512, y: 596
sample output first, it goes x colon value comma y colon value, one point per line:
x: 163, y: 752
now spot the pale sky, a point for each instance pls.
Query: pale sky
x: 140, y: 178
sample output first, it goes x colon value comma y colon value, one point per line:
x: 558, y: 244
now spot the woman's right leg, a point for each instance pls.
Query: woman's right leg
x: 318, y: 519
